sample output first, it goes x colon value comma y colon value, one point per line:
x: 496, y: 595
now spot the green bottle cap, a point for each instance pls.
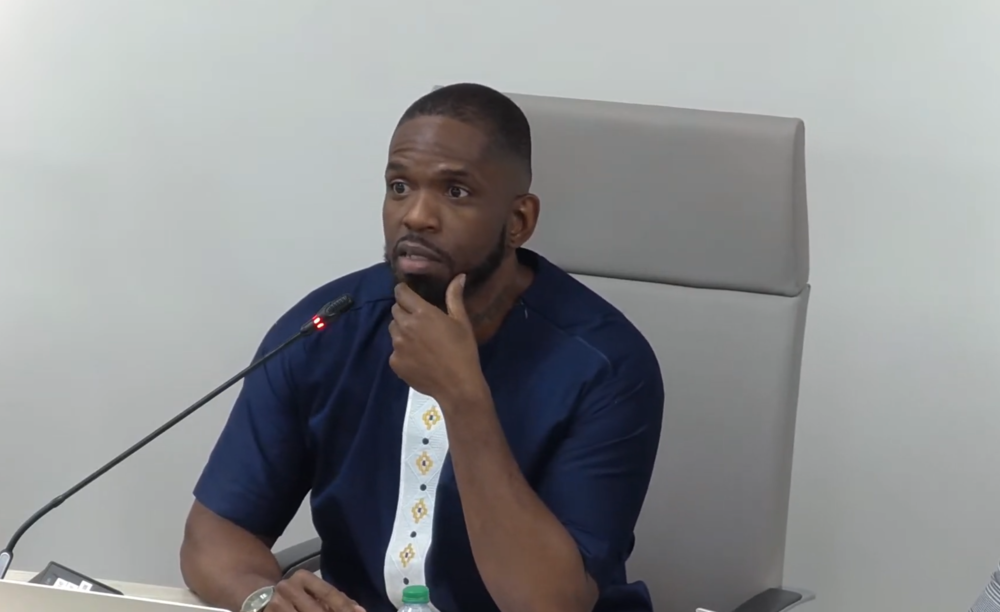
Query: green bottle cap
x: 416, y: 594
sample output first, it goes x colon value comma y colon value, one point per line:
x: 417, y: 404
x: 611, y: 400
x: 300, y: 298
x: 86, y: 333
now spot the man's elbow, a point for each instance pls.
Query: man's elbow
x: 212, y: 542
x: 193, y: 547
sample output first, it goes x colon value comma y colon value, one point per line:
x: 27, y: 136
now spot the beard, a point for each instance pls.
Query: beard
x: 433, y: 288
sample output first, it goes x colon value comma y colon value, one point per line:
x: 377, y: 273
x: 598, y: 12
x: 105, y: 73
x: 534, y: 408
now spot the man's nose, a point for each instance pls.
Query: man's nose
x: 422, y: 215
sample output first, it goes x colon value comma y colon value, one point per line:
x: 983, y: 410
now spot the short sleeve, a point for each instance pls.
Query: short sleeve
x: 599, y: 476
x: 259, y: 472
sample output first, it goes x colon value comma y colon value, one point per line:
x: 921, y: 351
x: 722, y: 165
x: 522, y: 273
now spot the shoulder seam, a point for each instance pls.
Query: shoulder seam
x: 561, y: 330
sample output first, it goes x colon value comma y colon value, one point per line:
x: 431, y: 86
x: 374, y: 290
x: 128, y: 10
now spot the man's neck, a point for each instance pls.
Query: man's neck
x: 489, y: 308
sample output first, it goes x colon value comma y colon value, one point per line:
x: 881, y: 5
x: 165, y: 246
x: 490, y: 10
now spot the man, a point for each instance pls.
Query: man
x: 479, y: 422
x: 989, y: 599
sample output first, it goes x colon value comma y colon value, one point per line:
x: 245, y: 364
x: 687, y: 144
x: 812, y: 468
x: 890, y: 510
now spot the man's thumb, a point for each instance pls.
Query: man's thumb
x: 455, y: 298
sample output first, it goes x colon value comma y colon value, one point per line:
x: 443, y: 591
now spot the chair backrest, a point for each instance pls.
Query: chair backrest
x: 693, y: 223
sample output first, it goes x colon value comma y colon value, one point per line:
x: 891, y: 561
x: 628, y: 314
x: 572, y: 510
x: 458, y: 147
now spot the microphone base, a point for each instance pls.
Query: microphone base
x: 62, y: 577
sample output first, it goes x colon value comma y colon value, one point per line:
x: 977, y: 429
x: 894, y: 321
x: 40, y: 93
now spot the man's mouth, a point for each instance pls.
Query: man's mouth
x: 416, y: 252
x: 412, y: 258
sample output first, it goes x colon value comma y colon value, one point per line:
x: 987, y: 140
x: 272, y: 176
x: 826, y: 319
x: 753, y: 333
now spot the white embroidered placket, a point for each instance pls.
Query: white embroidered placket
x: 424, y: 449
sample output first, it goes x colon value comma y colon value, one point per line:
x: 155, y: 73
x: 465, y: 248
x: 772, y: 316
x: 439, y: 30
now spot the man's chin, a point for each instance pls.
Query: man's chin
x: 431, y: 288
x: 417, y: 280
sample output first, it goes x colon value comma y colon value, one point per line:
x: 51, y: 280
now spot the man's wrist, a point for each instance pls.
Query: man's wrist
x: 469, y: 395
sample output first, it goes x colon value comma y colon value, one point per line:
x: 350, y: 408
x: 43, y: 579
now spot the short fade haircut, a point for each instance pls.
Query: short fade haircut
x: 483, y: 107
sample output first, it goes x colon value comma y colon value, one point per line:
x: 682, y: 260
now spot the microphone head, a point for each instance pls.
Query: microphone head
x: 337, y: 307
x: 331, y: 311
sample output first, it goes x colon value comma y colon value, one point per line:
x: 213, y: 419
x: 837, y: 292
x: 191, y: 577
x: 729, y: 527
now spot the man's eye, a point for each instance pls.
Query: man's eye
x: 398, y: 187
x: 458, y: 192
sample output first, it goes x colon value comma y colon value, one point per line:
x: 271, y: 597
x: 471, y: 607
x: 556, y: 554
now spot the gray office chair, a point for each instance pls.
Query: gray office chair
x: 694, y: 224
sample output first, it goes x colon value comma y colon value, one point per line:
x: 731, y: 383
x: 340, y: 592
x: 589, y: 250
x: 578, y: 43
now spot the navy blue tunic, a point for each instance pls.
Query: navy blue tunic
x: 578, y: 392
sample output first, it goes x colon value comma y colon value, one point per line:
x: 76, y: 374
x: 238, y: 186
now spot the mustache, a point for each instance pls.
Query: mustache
x: 420, y: 240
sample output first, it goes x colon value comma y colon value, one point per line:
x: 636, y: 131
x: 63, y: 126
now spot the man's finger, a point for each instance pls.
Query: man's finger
x: 292, y: 596
x: 399, y: 314
x: 408, y: 298
x: 395, y: 332
x: 455, y: 299
x: 334, y: 600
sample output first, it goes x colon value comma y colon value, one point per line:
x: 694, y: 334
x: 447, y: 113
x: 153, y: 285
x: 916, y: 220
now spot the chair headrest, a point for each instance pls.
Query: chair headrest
x: 668, y: 195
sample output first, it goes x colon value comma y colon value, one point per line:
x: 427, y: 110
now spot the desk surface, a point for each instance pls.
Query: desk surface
x: 134, y: 589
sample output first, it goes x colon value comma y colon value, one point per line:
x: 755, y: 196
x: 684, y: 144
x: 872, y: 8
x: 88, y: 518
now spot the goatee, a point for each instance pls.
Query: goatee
x: 433, y: 288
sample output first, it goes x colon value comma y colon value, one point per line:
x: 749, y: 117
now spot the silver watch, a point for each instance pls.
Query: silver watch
x: 258, y: 600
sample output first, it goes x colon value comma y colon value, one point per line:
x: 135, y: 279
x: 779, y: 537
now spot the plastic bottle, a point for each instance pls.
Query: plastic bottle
x: 416, y: 598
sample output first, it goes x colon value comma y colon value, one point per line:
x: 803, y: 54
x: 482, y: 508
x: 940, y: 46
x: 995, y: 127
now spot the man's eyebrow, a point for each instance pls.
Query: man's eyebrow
x: 457, y: 172
x: 447, y: 172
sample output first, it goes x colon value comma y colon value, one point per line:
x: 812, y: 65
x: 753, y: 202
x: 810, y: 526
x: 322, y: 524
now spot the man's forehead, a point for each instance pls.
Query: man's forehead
x: 439, y: 137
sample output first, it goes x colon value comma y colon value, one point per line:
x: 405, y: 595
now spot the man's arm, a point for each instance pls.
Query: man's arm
x: 989, y: 600
x: 253, y: 484
x: 223, y: 563
x: 549, y: 550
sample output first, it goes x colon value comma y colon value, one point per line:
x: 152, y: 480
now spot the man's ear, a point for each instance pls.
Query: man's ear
x: 523, y: 220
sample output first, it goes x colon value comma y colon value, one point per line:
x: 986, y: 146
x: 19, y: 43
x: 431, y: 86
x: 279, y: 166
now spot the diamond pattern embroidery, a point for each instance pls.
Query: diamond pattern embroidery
x: 419, y: 511
x: 407, y: 555
x: 424, y: 463
x: 431, y: 417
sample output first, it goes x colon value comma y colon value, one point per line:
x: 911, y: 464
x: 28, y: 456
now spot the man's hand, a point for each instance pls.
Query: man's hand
x: 435, y: 352
x: 306, y: 592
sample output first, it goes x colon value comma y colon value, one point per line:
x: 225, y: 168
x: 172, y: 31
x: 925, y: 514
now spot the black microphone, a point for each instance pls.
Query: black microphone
x: 59, y: 575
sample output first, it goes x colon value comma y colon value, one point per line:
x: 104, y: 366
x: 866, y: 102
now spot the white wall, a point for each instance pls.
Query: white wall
x: 173, y: 174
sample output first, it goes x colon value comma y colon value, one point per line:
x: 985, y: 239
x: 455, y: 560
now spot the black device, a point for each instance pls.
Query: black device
x: 62, y: 577
x: 71, y: 579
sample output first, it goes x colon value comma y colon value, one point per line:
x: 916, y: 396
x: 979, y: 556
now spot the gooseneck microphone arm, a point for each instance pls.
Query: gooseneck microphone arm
x: 328, y: 313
